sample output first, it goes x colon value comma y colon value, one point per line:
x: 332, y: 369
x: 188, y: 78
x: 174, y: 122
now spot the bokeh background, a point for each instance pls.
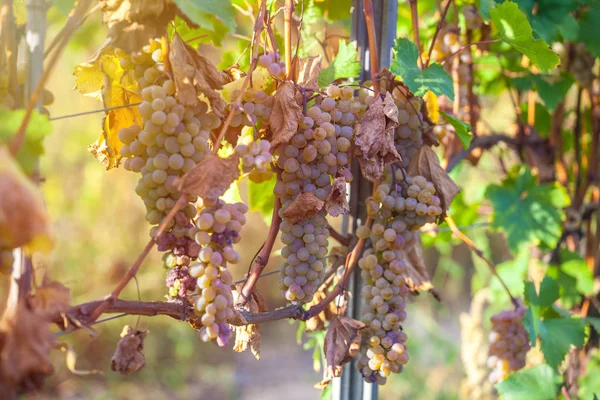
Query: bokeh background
x: 100, y: 228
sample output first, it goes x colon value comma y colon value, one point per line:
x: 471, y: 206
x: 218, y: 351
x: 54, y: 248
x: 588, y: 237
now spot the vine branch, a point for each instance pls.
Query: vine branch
x: 263, y: 258
x: 373, y: 54
x: 465, y: 239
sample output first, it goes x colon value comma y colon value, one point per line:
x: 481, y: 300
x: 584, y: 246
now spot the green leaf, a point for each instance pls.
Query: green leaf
x: 515, y: 30
x: 558, y: 335
x: 539, y: 383
x: 574, y: 277
x: 208, y: 13
x: 433, y: 78
x: 33, y: 146
x: 261, y: 198
x: 461, y: 128
x: 588, y: 29
x: 64, y: 6
x: 344, y: 65
x: 551, y: 17
x: 552, y: 89
x: 526, y: 211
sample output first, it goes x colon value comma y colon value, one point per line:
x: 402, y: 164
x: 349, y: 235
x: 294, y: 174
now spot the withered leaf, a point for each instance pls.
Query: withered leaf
x: 211, y: 177
x: 342, y: 343
x: 306, y: 71
x: 132, y: 23
x: 303, y: 207
x: 195, y: 74
x: 427, y: 164
x: 25, y: 344
x: 337, y: 203
x: 51, y: 299
x: 317, y: 323
x: 128, y: 356
x: 374, y: 141
x: 285, y: 115
x: 23, y: 218
x: 232, y: 73
x: 250, y: 335
x: 417, y: 275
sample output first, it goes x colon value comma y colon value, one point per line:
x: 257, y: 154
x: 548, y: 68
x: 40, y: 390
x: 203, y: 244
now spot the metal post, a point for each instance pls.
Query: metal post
x: 351, y: 385
x: 22, y: 270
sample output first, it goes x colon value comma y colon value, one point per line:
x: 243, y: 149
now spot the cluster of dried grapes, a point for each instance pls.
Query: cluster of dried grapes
x: 509, y: 343
x: 397, y: 210
x: 319, y: 151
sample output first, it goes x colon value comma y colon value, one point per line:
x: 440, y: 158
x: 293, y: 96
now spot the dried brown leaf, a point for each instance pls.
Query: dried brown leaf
x: 337, y: 202
x: 285, y: 115
x: 211, y: 177
x: 342, y: 343
x: 303, y: 207
x: 427, y: 164
x: 51, y: 299
x: 306, y: 71
x: 417, y: 275
x: 23, y: 218
x: 195, y: 74
x: 132, y: 23
x: 375, y: 148
x: 250, y: 335
x: 25, y: 344
x: 232, y: 73
x: 128, y: 356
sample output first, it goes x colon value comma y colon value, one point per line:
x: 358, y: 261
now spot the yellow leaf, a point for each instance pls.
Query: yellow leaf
x: 90, y: 77
x: 118, y: 90
x: 432, y: 106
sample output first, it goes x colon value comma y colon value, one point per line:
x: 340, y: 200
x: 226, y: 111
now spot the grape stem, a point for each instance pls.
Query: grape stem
x: 263, y: 258
x: 113, y: 296
x: 471, y: 245
x: 287, y: 19
x: 79, y: 13
x: 374, y: 55
x: 438, y: 28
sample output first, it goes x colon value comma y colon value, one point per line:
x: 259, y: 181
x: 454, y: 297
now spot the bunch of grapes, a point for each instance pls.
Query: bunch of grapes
x: 384, y: 292
x: 218, y: 228
x: 509, y: 344
x: 272, y: 63
x: 256, y: 159
x: 254, y: 108
x: 397, y: 210
x: 171, y: 140
x: 316, y: 153
x: 411, y: 125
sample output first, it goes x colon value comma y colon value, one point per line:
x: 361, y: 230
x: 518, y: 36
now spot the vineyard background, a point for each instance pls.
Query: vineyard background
x: 100, y: 226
